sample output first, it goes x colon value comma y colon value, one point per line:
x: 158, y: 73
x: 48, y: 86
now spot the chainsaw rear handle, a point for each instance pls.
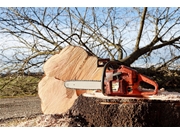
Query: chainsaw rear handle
x: 142, y: 78
x: 134, y: 79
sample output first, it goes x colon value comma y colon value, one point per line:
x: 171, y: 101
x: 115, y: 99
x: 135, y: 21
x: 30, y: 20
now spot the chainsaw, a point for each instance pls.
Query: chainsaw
x: 117, y: 80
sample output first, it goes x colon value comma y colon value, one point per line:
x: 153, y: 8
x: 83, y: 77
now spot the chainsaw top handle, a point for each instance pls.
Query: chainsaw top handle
x: 110, y: 64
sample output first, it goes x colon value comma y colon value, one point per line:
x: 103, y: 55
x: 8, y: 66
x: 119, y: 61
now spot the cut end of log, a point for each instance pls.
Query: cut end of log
x: 72, y: 63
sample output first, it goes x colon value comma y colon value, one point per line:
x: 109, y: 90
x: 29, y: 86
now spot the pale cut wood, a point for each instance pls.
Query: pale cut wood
x: 55, y: 98
x: 72, y: 63
x: 89, y: 70
x: 53, y: 63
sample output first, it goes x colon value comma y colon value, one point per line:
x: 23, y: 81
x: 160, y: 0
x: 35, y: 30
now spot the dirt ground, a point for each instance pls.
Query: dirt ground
x: 26, y: 112
x: 18, y: 109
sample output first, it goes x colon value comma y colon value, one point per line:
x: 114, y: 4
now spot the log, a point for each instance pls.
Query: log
x: 97, y: 110
x: 72, y: 63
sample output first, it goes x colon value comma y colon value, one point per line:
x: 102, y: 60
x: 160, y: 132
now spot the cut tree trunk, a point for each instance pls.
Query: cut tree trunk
x: 102, y: 111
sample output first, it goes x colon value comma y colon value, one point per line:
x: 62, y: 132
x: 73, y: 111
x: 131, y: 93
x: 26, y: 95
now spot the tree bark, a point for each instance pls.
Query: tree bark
x: 103, y: 111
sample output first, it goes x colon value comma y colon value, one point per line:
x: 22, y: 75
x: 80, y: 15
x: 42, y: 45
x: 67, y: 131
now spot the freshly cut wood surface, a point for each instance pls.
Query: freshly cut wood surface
x: 72, y: 63
x: 55, y: 98
x: 162, y: 95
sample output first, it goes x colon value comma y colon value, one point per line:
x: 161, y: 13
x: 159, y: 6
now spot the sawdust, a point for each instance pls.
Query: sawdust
x: 56, y: 120
x: 166, y: 95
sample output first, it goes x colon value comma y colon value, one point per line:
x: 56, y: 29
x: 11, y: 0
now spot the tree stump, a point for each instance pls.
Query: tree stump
x: 103, y: 111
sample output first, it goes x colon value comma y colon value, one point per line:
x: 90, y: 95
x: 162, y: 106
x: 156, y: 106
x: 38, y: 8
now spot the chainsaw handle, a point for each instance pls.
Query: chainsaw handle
x: 112, y: 64
x: 142, y: 78
x: 103, y: 77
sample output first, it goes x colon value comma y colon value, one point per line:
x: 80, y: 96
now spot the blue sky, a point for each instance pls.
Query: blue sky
x: 90, y: 3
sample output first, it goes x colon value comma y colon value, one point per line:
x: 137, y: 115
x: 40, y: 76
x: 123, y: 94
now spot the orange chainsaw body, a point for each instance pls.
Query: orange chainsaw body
x: 120, y: 80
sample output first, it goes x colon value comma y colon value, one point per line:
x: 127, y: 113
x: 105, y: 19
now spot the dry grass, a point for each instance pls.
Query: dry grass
x: 15, y: 86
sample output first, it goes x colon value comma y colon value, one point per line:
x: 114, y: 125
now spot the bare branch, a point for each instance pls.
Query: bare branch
x: 141, y: 28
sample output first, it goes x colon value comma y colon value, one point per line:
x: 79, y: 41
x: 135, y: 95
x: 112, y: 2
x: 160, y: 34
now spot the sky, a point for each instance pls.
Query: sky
x: 90, y: 3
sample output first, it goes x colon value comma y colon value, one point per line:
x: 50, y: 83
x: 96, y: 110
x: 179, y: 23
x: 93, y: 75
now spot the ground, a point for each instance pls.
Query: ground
x: 26, y: 112
x: 15, y: 110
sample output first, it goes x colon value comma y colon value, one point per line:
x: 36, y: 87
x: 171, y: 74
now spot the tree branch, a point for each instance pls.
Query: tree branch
x: 141, y: 29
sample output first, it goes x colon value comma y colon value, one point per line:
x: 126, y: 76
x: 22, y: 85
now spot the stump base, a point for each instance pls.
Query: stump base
x: 104, y: 111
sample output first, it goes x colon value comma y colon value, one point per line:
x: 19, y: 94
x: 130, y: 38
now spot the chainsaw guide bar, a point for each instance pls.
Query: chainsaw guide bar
x: 83, y: 84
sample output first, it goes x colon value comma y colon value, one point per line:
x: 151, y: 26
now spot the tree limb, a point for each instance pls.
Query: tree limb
x: 141, y: 29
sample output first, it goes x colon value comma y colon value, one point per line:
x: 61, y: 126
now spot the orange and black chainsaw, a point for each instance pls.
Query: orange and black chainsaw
x: 117, y: 80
